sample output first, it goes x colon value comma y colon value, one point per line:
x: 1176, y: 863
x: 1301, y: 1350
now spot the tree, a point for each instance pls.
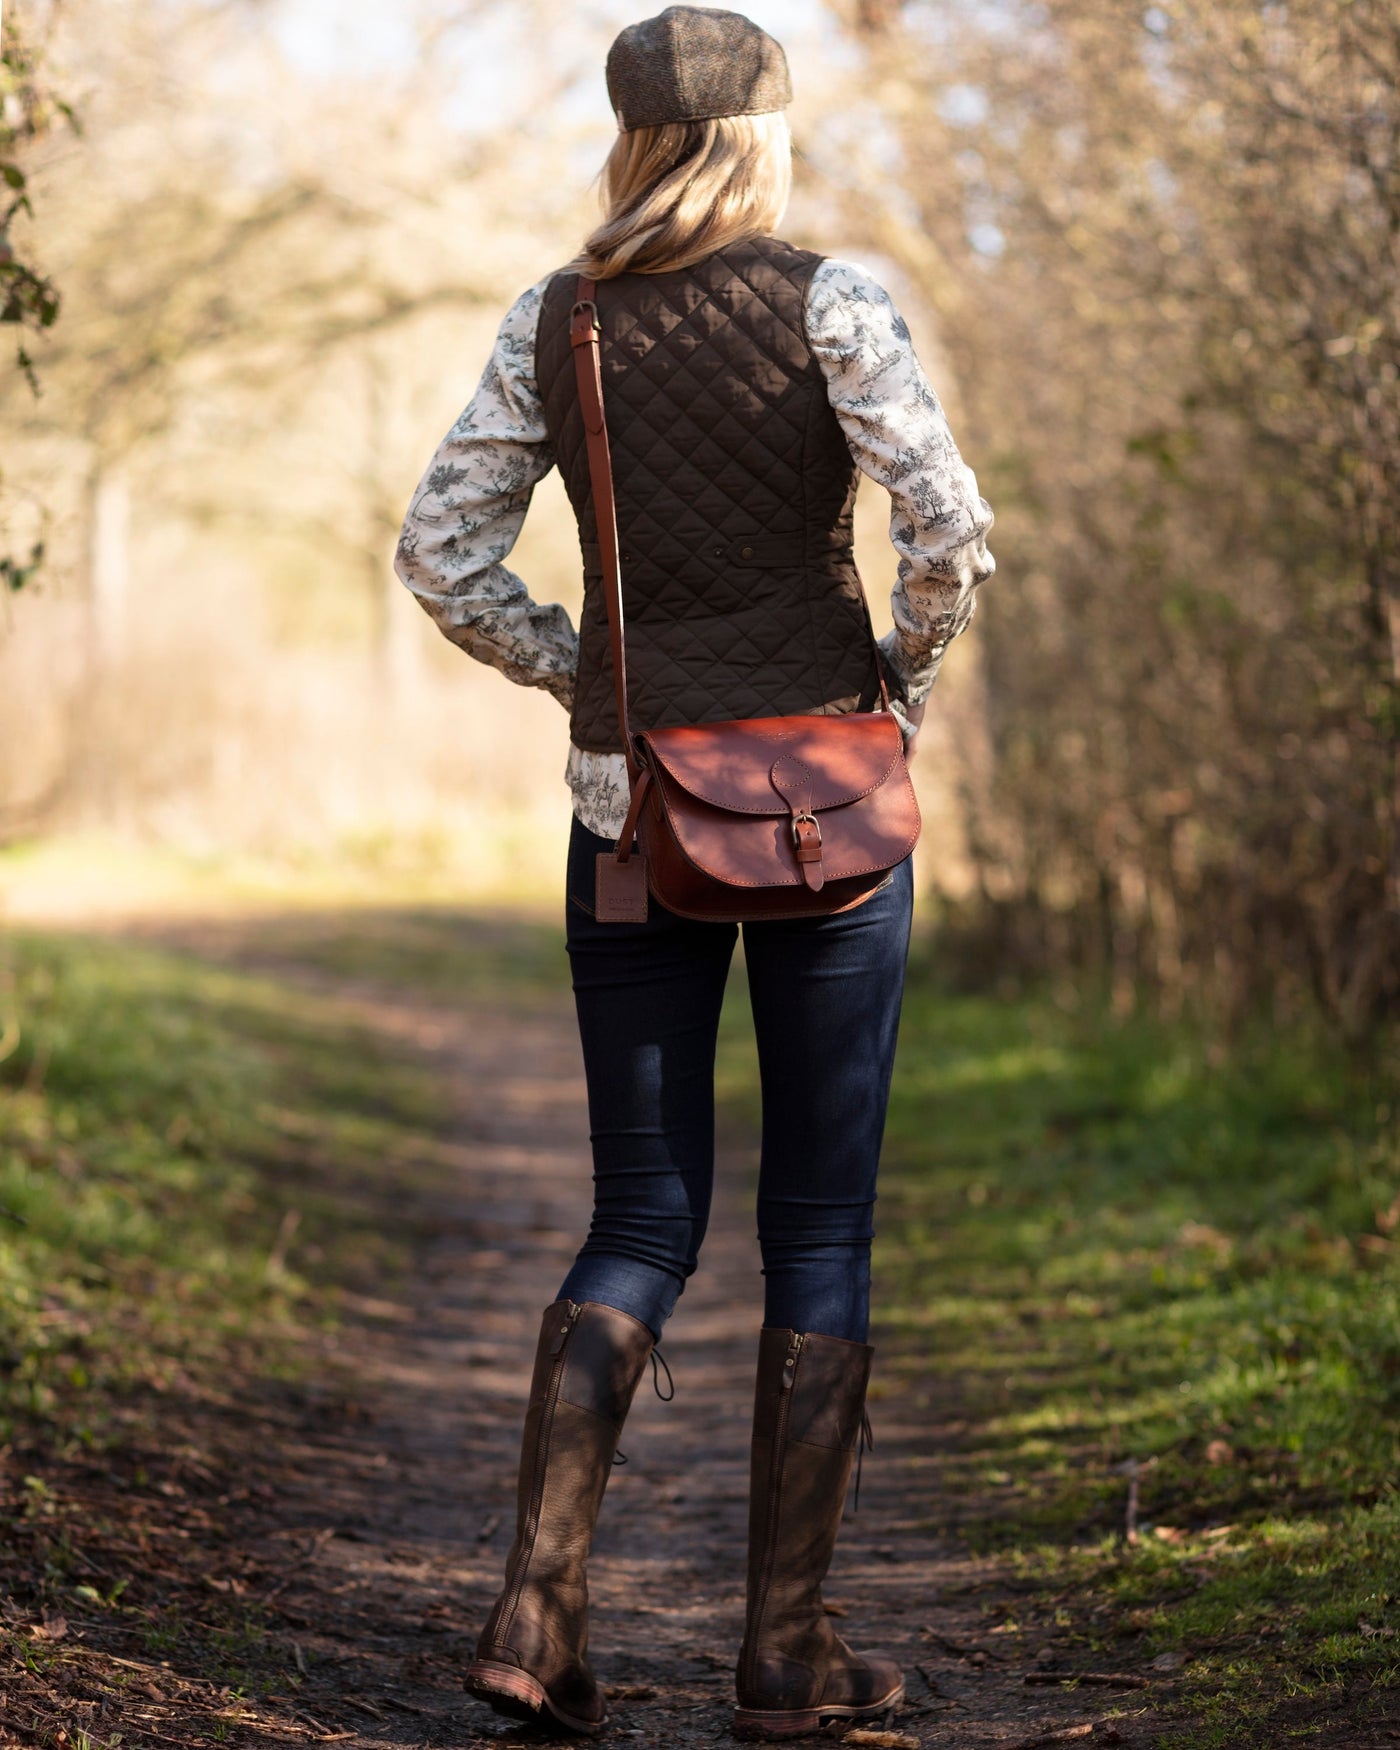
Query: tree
x: 29, y: 110
x: 1164, y: 249
x: 259, y: 274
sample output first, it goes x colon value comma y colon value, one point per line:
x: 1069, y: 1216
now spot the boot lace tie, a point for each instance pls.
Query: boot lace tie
x: 867, y: 1439
x: 659, y: 1365
x: 658, y: 1360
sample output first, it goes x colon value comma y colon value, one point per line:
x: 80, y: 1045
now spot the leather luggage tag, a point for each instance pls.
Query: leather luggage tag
x: 620, y: 889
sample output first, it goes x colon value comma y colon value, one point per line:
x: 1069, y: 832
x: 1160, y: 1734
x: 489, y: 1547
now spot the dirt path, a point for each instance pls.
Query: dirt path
x: 394, y: 1502
x: 310, y: 1560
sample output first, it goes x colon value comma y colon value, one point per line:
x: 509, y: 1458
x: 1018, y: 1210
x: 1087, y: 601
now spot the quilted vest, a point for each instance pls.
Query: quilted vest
x: 734, y: 487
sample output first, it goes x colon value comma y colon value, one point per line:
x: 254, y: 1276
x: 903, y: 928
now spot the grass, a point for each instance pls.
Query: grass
x: 166, y: 1128
x: 1122, y: 1248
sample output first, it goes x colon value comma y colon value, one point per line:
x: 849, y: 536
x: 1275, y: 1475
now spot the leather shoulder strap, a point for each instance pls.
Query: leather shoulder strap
x: 584, y: 331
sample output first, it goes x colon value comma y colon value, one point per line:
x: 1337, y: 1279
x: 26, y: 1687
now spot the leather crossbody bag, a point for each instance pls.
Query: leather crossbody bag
x: 757, y: 817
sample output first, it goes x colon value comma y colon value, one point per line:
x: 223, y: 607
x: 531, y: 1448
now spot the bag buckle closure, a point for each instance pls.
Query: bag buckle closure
x: 792, y: 779
x: 802, y: 839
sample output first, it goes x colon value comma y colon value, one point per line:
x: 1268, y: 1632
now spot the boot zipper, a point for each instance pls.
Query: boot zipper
x: 775, y: 1488
x: 539, y: 1467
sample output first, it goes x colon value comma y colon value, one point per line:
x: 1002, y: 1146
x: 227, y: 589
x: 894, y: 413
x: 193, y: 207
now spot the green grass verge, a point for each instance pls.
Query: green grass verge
x: 168, y: 1129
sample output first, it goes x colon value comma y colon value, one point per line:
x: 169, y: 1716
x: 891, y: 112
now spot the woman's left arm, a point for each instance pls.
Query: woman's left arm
x: 467, y: 513
x: 899, y: 436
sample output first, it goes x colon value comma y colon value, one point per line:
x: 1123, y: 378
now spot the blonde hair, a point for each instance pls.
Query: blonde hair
x: 676, y: 192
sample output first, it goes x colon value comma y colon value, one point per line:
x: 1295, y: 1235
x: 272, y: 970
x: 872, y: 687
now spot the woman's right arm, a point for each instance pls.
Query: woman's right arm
x: 467, y: 513
x: 899, y: 436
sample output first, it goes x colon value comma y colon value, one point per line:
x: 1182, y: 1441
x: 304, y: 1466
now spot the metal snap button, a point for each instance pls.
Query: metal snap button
x: 746, y: 552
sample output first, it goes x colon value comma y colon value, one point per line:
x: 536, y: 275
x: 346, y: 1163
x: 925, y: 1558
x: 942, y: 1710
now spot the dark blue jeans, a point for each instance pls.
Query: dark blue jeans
x: 825, y: 994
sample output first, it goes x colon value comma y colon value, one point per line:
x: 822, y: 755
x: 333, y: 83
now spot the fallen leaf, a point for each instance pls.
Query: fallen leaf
x: 52, y: 1628
x: 1169, y: 1661
x: 1372, y: 1632
x: 1220, y: 1452
x: 881, y: 1740
x: 1169, y: 1533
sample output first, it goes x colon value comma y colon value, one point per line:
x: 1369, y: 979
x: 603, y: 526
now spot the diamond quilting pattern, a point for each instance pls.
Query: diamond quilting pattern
x: 721, y: 434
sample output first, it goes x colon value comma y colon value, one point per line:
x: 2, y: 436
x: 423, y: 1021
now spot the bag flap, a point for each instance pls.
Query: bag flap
x: 729, y: 764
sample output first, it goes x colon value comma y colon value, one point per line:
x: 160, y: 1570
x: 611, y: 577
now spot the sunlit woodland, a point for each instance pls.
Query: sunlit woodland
x: 1151, y: 263
x: 254, y: 255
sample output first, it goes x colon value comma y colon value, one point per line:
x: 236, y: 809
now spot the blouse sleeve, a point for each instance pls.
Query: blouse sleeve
x: 899, y: 436
x: 467, y: 512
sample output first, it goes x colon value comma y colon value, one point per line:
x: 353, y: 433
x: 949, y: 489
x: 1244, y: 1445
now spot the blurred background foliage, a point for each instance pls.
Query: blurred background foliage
x: 1150, y: 258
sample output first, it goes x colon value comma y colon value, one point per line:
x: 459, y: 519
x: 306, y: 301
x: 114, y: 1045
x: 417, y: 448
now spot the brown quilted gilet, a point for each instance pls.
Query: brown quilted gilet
x: 734, y: 487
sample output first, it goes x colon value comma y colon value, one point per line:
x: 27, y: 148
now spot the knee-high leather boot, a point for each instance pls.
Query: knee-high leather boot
x: 794, y: 1669
x: 532, y: 1655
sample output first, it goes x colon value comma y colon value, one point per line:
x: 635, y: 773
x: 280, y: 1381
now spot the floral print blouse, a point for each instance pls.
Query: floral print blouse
x: 470, y: 504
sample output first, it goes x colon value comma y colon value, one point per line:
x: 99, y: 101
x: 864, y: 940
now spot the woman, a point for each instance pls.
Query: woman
x: 746, y: 382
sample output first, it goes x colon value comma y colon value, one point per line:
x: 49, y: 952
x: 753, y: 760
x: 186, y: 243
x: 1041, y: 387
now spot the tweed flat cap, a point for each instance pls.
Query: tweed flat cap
x: 692, y: 63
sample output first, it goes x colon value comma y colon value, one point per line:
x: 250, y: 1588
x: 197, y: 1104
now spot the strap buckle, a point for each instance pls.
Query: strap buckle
x: 800, y: 838
x: 583, y: 322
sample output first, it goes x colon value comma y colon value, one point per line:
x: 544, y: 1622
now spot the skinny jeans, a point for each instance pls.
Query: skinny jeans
x: 825, y: 994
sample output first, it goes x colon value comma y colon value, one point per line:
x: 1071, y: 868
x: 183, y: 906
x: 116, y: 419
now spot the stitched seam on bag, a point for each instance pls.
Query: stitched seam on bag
x: 781, y: 808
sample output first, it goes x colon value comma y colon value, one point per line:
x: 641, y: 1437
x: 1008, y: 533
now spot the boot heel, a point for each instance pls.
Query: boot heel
x: 769, y: 1723
x: 753, y: 1723
x: 514, y: 1693
x: 519, y: 1696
